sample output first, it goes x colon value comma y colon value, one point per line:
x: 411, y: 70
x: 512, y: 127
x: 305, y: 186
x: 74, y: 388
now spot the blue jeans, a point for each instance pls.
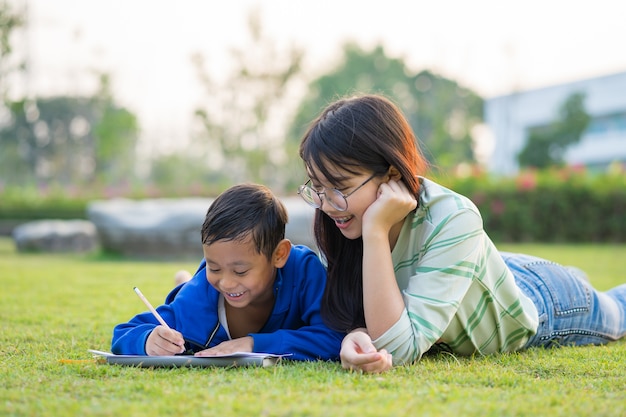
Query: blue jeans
x: 571, y: 311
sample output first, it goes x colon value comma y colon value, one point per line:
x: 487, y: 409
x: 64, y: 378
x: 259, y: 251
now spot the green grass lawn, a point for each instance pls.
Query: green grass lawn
x: 55, y: 307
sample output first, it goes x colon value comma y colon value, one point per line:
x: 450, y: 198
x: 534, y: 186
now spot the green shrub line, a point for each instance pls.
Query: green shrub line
x: 552, y: 206
x: 557, y: 205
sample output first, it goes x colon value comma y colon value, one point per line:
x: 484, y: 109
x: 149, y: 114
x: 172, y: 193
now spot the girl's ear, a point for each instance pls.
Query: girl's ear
x: 281, y: 253
x: 394, y: 174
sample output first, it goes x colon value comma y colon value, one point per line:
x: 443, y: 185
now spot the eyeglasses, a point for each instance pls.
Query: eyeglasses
x: 334, y: 197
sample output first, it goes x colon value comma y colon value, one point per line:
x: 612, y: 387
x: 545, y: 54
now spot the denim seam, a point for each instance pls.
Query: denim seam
x: 570, y: 332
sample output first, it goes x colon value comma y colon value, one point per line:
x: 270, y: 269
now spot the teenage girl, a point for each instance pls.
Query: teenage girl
x: 410, y: 267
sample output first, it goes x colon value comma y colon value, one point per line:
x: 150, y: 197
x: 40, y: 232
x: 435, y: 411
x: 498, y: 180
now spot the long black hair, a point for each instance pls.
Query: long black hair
x: 357, y: 134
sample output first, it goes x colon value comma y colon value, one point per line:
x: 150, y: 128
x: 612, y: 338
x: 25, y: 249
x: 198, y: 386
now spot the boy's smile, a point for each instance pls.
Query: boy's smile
x: 242, y: 275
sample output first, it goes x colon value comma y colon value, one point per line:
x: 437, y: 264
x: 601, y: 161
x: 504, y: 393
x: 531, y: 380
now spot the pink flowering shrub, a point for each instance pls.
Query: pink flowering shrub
x: 556, y: 205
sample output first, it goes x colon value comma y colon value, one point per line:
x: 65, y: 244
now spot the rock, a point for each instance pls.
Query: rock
x: 149, y: 228
x: 170, y: 228
x: 56, y: 236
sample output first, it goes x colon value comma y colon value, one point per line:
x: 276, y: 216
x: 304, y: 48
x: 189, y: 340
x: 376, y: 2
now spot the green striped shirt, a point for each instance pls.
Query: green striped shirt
x: 456, y: 287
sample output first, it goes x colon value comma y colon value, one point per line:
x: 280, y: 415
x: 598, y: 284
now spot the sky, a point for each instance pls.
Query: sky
x: 494, y: 47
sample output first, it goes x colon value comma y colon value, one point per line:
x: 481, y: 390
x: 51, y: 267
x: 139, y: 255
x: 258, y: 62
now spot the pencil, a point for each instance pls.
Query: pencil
x: 159, y: 318
x: 152, y: 310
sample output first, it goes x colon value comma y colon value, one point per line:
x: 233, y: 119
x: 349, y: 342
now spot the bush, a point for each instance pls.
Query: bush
x: 556, y: 205
x: 30, y: 203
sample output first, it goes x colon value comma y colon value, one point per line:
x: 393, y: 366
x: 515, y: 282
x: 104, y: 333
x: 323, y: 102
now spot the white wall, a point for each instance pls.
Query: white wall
x: 510, y: 116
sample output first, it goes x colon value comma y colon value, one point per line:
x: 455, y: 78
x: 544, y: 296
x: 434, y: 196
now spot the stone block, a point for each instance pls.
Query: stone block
x: 170, y: 228
x: 55, y: 236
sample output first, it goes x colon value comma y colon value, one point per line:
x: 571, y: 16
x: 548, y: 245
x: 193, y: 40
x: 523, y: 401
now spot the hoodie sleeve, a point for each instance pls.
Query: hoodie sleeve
x: 301, y: 331
x: 130, y: 338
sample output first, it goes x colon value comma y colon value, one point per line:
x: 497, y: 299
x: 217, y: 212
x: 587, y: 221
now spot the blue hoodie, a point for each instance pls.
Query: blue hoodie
x: 294, y: 327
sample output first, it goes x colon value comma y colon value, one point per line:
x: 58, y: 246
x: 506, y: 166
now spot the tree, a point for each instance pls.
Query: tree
x: 60, y: 139
x: 441, y: 112
x: 68, y: 140
x: 241, y: 119
x: 115, y: 135
x: 546, y: 145
x: 9, y: 22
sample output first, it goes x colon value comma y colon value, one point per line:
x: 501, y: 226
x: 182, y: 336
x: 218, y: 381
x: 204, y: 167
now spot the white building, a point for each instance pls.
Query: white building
x: 510, y: 117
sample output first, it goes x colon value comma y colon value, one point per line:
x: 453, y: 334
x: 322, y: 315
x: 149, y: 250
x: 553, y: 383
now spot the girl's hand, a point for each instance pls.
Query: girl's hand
x: 164, y: 342
x: 358, y: 353
x: 241, y: 344
x: 393, y: 203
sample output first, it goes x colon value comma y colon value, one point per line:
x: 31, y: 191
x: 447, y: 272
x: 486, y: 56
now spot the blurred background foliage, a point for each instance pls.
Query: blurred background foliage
x: 441, y: 112
x: 68, y: 140
x: 58, y: 153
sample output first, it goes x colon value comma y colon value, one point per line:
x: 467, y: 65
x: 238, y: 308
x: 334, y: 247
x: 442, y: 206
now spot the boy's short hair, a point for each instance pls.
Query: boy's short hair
x: 246, y: 210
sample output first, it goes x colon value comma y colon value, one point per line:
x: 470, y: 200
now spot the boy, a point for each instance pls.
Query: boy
x: 253, y: 291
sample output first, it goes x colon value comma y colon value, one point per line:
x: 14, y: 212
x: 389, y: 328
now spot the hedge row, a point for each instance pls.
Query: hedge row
x: 564, y: 205
x: 552, y: 206
x: 31, y: 204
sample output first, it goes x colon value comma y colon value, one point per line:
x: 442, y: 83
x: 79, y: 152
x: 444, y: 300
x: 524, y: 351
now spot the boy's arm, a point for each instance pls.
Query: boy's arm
x: 302, y: 332
x: 307, y: 343
x: 130, y: 338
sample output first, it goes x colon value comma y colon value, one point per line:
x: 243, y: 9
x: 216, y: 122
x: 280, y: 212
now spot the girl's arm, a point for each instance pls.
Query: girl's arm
x: 382, y: 300
x: 450, y: 256
x: 298, y: 327
x: 358, y: 353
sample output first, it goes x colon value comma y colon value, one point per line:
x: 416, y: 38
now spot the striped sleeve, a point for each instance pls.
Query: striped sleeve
x: 455, y: 286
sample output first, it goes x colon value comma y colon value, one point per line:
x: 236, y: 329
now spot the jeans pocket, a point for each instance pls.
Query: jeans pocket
x: 570, y: 296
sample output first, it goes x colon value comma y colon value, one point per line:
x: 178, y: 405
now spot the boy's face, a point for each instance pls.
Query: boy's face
x: 242, y: 275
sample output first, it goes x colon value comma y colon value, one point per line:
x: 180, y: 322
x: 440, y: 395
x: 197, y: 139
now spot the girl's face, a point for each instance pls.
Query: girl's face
x: 350, y: 221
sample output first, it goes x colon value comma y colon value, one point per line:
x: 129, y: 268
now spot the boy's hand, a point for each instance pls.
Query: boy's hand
x: 241, y: 344
x: 358, y: 353
x: 164, y: 342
